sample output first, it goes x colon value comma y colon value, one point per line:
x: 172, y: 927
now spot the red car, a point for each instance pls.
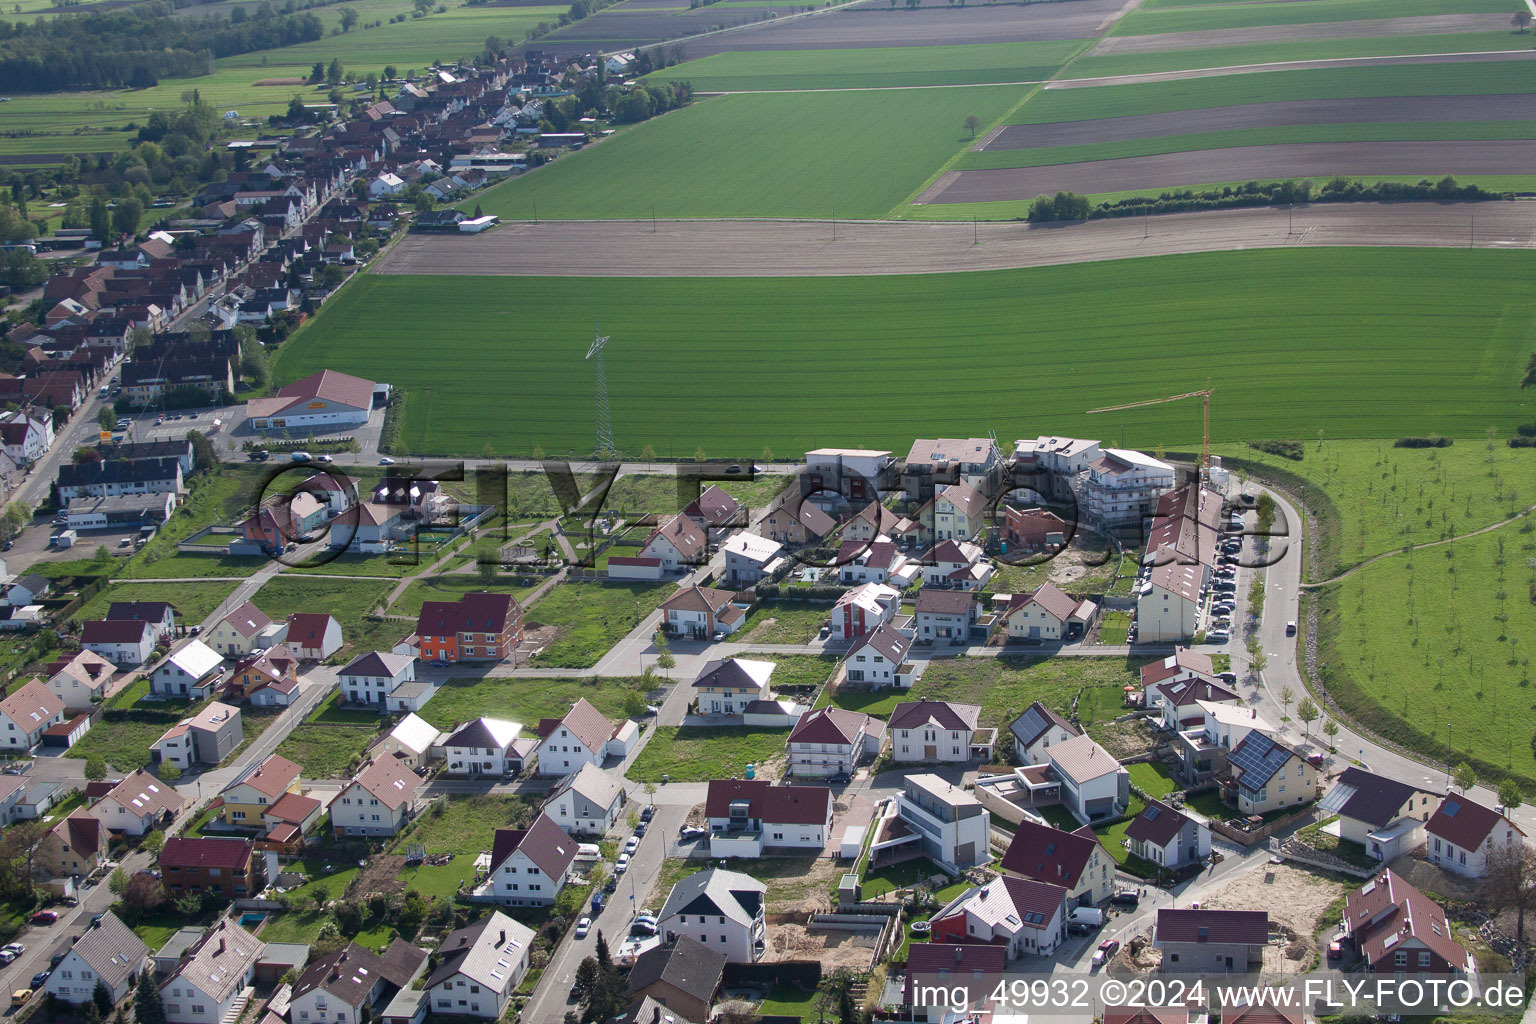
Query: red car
x: 45, y: 917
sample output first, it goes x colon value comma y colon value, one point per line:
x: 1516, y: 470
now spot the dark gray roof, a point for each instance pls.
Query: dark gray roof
x: 686, y: 965
x: 1036, y: 719
x: 1370, y: 798
x: 716, y: 891
x: 485, y: 952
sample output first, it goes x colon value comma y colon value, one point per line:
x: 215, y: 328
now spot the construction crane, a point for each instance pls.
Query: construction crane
x: 1205, y: 420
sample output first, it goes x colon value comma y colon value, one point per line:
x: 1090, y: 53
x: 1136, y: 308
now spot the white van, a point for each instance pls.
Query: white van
x: 588, y: 852
x: 1085, y: 917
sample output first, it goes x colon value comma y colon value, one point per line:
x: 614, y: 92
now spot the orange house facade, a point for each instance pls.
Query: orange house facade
x: 477, y: 627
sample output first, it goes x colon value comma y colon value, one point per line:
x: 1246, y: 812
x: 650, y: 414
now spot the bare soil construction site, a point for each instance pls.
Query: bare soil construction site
x: 722, y: 248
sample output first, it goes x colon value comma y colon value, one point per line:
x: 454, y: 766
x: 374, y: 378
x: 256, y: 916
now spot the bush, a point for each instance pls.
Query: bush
x: 1284, y: 193
x: 1422, y: 442
x: 1292, y: 450
x: 1522, y: 442
x: 1526, y: 430
x: 1062, y: 206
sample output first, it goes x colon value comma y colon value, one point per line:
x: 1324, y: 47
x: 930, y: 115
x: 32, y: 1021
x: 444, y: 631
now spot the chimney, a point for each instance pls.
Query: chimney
x: 655, y: 1015
x: 221, y: 946
x: 502, y: 940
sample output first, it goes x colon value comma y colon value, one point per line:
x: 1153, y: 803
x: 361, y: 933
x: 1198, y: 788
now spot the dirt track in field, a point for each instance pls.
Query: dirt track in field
x: 1367, y: 110
x: 807, y: 249
x: 1239, y: 163
x: 1375, y: 28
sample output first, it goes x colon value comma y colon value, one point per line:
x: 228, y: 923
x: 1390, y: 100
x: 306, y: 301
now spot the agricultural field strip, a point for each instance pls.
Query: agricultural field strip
x: 1452, y: 322
x: 1191, y: 168
x: 1265, y: 54
x: 1371, y: 28
x: 1206, y: 17
x: 1270, y: 67
x: 726, y: 248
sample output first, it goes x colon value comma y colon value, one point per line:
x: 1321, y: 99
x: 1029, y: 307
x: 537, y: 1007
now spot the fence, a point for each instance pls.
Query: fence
x: 1251, y: 837
x: 196, y: 545
x: 1293, y: 850
x: 802, y: 974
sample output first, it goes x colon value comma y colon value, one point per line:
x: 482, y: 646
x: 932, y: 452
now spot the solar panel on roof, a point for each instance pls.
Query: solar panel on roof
x: 1153, y: 811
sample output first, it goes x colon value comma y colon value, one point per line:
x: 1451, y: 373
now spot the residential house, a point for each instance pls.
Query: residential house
x: 81, y: 679
x: 237, y: 634
x: 730, y: 686
x: 1168, y: 837
x: 313, y: 636
x: 747, y: 816
x: 959, y: 513
x: 938, y: 730
x: 123, y: 642
x: 191, y: 670
x: 1211, y: 941
x: 723, y: 910
x: 944, y: 616
x: 26, y: 714
x: 956, y: 563
x: 750, y: 558
x: 25, y: 590
x: 1122, y: 487
x: 1168, y: 604
x: 221, y: 867
x: 1033, y: 531
x: 964, y: 970
x: 863, y: 609
x: 679, y: 978
x: 678, y: 543
x: 138, y: 804
x: 1025, y: 917
x: 1176, y: 704
x: 13, y: 794
x: 829, y: 741
x: 714, y: 509
x: 931, y: 463
x: 879, y: 658
x: 479, y: 967
x: 947, y: 823
x: 586, y: 802
x: 485, y: 746
x: 1182, y: 664
x: 1204, y: 747
x: 208, y: 737
x: 1073, y: 860
x: 529, y: 866
x: 1046, y: 614
x: 1383, y: 815
x: 1466, y: 838
x: 159, y: 614
x: 411, y: 741
x: 73, y: 848
x: 377, y: 802
x: 699, y: 613
x: 1397, y: 930
x: 371, y: 678
x: 1267, y: 776
x: 268, y: 679
x: 111, y: 477
x: 855, y: 475
x: 108, y: 955
x: 1181, y: 548
x: 1094, y: 786
x: 877, y: 561
x: 1037, y: 730
x: 795, y: 522
x: 353, y: 983
x: 252, y: 793
x: 581, y: 736
x: 25, y: 438
x: 477, y: 627
x: 872, y: 521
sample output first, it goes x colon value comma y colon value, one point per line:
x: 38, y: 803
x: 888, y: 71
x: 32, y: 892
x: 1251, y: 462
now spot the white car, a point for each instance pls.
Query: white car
x: 322, y: 458
x: 622, y: 864
x: 632, y: 844
x: 582, y: 927
x: 386, y: 461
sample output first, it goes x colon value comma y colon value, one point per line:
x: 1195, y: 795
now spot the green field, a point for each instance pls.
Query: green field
x: 326, y: 751
x: 352, y: 602
x: 592, y: 617
x: 829, y: 154
x: 1446, y: 327
x: 783, y: 622
x: 763, y: 70
x: 193, y: 601
x: 697, y: 753
x: 526, y: 700
x: 1096, y: 65
x: 463, y: 826
x: 1225, y: 90
x: 449, y: 588
x: 1202, y: 16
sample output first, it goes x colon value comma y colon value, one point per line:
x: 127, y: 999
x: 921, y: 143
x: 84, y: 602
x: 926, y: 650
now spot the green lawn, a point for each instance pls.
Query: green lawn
x: 1113, y: 839
x: 465, y: 827
x: 1114, y: 627
x: 123, y: 733
x: 1310, y: 84
x: 212, y: 499
x: 829, y: 154
x: 525, y: 700
x: 694, y: 753
x: 1436, y: 338
x: 592, y: 617
x: 783, y: 622
x: 450, y: 588
x: 1154, y: 778
x: 1202, y: 16
x: 325, y: 751
x: 193, y: 601
x: 876, y: 66
x: 352, y: 602
x: 906, y: 875
x: 797, y: 669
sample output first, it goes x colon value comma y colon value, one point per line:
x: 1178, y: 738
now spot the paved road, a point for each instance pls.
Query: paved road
x: 807, y: 249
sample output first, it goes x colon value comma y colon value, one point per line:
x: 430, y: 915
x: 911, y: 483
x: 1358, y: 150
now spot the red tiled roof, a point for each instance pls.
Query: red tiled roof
x: 473, y: 613
x: 787, y: 805
x: 912, y: 714
x: 1050, y: 854
x: 1463, y: 823
x: 829, y: 725
x: 584, y: 722
x: 205, y: 852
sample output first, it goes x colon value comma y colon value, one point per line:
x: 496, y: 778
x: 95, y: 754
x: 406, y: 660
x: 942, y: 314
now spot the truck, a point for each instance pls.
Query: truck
x: 63, y: 539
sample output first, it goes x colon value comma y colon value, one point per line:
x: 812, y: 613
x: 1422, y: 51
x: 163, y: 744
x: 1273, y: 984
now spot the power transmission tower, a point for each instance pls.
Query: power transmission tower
x: 604, y: 422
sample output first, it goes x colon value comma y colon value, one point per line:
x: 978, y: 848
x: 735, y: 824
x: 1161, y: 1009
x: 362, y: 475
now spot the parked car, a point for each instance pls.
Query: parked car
x: 19, y: 997
x: 1106, y: 952
x: 840, y: 778
x: 652, y: 710
x: 648, y: 812
x: 1315, y: 760
x: 40, y: 979
x: 582, y: 927
x: 1290, y: 628
x: 632, y: 844
x: 1219, y: 636
x: 11, y: 952
x: 1126, y: 898
x: 640, y: 828
x: 611, y: 885
x: 622, y: 864
x: 1230, y: 678
x: 53, y: 961
x: 1335, y: 950
x: 643, y: 928
x: 692, y: 832
x: 45, y: 917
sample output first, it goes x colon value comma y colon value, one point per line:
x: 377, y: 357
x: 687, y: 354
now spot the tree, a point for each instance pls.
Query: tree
x: 1286, y: 696
x: 698, y: 453
x: 487, y: 571
x: 1521, y: 20
x: 413, y: 911
x: 665, y: 659
x: 1510, y: 796
x: 155, y: 842
x: 317, y: 73
x: 144, y: 893
x: 1529, y: 380
x: 390, y: 73
x: 101, y: 998
x: 634, y: 704
x: 1331, y: 730
x: 169, y: 772
x: 101, y: 221
x: 348, y: 19
x: 333, y: 72
x: 18, y: 842
x: 972, y: 122
x: 91, y: 1014
x: 147, y: 1007
x: 1464, y: 777
x: 106, y: 417
x: 126, y: 217
x: 118, y: 881
x: 95, y: 768
x: 1511, y: 882
x: 1307, y: 711
x: 14, y: 519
